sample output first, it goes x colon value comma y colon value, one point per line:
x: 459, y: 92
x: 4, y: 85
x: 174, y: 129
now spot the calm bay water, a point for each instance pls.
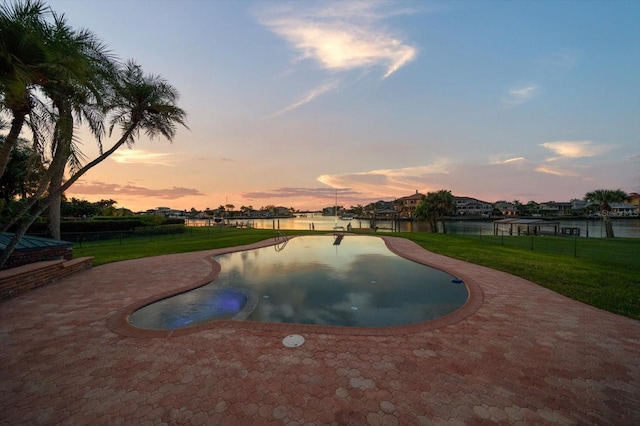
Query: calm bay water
x: 593, y: 228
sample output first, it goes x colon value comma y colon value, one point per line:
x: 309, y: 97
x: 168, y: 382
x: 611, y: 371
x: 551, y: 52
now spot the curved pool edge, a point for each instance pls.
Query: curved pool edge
x: 119, y: 321
x: 119, y: 324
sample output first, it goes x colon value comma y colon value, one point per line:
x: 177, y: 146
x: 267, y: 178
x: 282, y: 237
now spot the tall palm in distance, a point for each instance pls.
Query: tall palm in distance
x: 604, y: 198
x: 434, y: 206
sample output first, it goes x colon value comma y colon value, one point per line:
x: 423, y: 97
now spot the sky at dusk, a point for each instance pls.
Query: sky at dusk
x: 289, y: 101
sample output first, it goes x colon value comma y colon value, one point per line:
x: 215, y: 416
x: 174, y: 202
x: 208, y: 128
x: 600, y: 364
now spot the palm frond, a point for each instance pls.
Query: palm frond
x: 145, y: 103
x: 76, y: 157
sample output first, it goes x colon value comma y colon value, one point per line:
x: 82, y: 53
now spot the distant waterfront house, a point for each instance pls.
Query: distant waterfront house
x: 467, y: 206
x: 330, y: 211
x: 387, y: 214
x: 624, y: 209
x: 372, y: 208
x: 581, y: 207
x: 506, y: 208
x: 552, y: 208
x: 405, y: 206
x: 580, y: 204
x: 168, y: 212
x: 635, y: 198
x: 283, y: 211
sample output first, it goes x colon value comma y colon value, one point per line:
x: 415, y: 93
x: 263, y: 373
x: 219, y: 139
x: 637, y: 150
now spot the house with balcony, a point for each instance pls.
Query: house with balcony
x: 380, y: 207
x: 555, y: 209
x: 405, y: 206
x: 467, y: 206
x: 506, y: 208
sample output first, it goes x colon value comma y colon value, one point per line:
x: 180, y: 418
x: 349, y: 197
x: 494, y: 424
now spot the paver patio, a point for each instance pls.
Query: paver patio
x: 517, y: 353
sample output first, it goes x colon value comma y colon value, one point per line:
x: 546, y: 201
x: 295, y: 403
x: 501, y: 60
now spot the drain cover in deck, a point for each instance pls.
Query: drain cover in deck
x: 293, y: 341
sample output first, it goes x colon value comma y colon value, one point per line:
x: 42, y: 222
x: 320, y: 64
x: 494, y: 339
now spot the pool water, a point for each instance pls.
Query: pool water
x: 358, y: 283
x: 194, y: 307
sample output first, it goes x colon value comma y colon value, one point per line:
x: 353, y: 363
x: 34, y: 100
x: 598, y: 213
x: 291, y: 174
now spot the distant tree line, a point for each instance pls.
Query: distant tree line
x: 435, y: 205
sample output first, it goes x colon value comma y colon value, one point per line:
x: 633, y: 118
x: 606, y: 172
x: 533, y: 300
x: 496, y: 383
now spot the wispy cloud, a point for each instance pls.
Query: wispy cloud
x: 575, y: 149
x: 111, y: 189
x: 488, y: 181
x: 318, y: 91
x: 561, y: 61
x: 497, y: 160
x: 341, y: 36
x: 319, y: 196
x: 556, y: 171
x: 142, y: 157
x: 394, y: 181
x: 288, y: 192
x: 519, y: 95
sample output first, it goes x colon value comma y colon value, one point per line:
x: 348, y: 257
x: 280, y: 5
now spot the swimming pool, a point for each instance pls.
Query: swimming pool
x: 358, y: 283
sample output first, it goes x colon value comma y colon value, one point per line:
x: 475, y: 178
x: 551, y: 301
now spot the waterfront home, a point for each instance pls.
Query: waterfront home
x: 467, y: 206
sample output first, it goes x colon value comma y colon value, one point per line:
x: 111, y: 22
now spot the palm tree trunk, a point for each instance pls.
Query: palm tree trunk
x: 44, y: 203
x: 10, y: 141
x: 63, y: 137
x: 22, y: 229
x: 53, y: 218
x: 608, y: 225
x: 55, y: 197
x: 42, y: 187
x: 97, y: 160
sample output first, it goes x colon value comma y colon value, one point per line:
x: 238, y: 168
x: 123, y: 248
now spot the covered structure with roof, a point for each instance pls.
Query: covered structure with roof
x: 32, y: 249
x: 516, y: 226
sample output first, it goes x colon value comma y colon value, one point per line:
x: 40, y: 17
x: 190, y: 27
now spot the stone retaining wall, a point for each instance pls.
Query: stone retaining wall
x: 21, y: 279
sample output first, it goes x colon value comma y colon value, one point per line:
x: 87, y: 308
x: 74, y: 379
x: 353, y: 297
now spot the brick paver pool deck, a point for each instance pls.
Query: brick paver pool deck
x: 515, y: 354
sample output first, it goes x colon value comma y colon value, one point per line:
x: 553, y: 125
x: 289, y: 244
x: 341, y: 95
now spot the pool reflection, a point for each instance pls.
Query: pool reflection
x: 358, y: 283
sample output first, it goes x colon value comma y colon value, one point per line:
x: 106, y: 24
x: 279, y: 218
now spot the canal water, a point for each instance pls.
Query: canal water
x: 592, y: 228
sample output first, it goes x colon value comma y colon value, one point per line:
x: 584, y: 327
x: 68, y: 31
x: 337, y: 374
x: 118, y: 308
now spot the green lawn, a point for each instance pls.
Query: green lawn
x: 605, y: 273
x: 600, y: 272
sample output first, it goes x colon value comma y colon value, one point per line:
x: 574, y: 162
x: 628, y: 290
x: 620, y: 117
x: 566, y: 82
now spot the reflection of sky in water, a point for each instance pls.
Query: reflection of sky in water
x: 358, y: 283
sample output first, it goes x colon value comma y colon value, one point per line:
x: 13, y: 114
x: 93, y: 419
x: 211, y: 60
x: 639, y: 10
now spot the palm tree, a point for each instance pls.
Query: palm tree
x: 83, y: 74
x: 22, y: 57
x: 70, y: 67
x: 138, y: 103
x: 604, y: 198
x: 433, y: 206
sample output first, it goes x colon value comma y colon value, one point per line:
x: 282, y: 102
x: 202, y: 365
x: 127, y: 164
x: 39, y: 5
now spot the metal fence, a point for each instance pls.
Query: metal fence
x: 623, y: 251
x: 615, y: 250
x: 119, y: 237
